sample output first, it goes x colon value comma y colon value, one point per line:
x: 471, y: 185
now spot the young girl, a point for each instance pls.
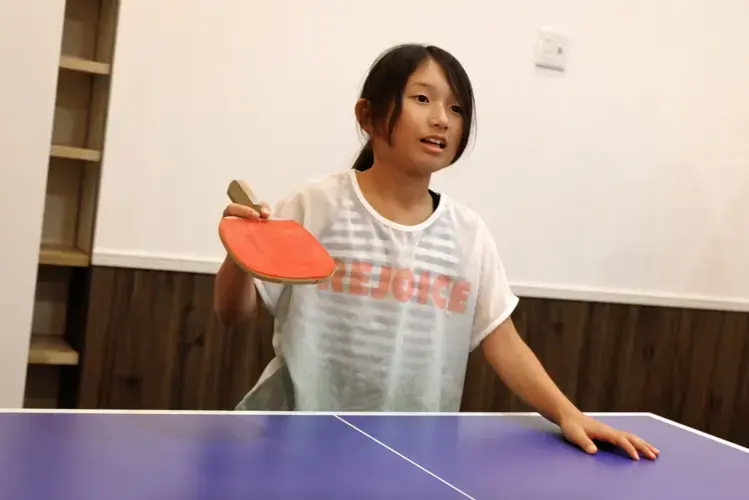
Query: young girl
x: 419, y: 283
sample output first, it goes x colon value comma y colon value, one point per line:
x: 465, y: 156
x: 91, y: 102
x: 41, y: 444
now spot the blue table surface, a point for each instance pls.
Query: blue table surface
x: 233, y: 455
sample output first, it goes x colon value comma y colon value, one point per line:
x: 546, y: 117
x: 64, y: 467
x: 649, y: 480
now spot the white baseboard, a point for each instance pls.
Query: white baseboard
x: 635, y: 297
x: 201, y: 265
x: 155, y: 262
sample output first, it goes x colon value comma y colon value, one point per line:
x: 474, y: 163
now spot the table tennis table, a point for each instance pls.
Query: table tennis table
x: 150, y: 455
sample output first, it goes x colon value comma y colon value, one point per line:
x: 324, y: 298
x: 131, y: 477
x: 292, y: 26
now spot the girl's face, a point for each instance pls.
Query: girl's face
x: 429, y: 129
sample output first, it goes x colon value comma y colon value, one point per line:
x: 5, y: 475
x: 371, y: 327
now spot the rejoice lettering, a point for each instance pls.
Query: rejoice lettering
x: 438, y: 290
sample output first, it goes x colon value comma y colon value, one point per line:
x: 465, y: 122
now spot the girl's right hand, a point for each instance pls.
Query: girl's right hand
x: 245, y: 212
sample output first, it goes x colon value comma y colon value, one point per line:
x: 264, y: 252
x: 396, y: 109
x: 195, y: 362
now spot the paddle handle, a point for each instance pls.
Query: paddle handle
x: 239, y: 192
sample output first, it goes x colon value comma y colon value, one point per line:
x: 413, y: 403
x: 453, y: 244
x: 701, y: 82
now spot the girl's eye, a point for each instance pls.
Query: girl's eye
x: 422, y: 98
x: 457, y: 109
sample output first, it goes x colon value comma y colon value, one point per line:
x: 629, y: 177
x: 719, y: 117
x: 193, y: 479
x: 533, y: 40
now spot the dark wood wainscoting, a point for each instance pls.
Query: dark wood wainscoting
x: 151, y: 341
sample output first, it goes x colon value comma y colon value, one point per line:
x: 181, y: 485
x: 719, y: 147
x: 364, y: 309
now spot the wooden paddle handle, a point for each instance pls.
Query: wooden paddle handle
x: 239, y: 192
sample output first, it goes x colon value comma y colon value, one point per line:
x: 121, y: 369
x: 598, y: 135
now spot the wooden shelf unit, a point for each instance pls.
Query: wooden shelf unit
x: 75, y: 155
x: 73, y: 63
x: 51, y: 350
x: 59, y: 255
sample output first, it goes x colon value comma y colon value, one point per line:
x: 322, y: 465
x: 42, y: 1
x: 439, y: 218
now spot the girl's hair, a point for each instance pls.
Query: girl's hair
x: 387, y: 79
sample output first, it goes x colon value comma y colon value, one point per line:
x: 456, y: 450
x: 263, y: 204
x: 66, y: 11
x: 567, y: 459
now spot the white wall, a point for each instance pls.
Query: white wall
x: 30, y: 34
x: 627, y: 178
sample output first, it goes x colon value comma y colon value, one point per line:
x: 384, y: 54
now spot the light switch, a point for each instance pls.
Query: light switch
x: 551, y: 50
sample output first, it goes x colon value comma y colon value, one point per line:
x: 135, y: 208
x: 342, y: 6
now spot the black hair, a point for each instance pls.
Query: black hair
x: 387, y: 79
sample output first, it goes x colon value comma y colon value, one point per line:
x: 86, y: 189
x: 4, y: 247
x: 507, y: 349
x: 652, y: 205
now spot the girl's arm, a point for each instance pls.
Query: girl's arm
x: 523, y: 374
x: 234, y: 294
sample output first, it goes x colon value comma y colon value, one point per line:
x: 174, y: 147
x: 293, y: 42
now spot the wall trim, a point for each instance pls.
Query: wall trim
x: 200, y: 265
x: 629, y: 297
x: 155, y: 261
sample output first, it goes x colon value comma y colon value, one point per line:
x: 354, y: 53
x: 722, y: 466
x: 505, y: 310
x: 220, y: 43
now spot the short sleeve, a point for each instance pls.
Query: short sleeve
x: 495, y: 301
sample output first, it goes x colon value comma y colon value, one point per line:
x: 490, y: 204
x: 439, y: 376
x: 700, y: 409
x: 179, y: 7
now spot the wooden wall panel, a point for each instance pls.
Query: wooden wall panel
x: 687, y: 365
x: 153, y: 342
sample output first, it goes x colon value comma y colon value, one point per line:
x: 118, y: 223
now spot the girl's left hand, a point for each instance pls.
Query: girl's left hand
x: 582, y: 430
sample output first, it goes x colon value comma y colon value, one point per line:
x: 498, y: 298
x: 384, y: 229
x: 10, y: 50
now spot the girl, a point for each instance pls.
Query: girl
x: 419, y: 283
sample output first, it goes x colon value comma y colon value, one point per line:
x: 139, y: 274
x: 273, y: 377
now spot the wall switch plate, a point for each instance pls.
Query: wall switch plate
x: 551, y: 50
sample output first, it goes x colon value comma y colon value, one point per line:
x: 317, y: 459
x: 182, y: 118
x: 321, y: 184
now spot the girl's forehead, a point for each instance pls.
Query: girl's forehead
x: 430, y: 75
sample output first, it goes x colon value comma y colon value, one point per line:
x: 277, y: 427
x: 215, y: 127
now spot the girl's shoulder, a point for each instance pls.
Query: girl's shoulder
x: 314, y: 201
x: 464, y: 219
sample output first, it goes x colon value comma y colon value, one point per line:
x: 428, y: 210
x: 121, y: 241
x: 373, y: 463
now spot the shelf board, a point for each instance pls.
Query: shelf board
x: 72, y: 63
x: 73, y: 153
x: 51, y: 350
x: 60, y: 255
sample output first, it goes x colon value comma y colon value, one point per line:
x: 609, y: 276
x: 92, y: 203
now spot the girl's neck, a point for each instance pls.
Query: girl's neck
x: 396, y: 195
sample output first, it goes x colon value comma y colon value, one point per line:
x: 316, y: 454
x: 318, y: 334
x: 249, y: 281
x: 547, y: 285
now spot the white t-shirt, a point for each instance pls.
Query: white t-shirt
x: 392, y: 330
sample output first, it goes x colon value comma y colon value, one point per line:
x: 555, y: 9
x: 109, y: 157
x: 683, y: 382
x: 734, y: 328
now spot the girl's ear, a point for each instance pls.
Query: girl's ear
x: 363, y: 115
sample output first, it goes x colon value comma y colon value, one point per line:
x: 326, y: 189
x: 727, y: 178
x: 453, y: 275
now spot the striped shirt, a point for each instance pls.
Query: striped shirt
x: 393, y: 328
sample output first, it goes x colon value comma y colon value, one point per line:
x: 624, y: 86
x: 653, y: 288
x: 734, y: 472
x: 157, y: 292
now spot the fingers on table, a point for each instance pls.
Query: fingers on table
x: 635, y: 446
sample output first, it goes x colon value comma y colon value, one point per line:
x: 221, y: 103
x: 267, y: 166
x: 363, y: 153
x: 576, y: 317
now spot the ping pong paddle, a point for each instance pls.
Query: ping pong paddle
x: 273, y: 250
